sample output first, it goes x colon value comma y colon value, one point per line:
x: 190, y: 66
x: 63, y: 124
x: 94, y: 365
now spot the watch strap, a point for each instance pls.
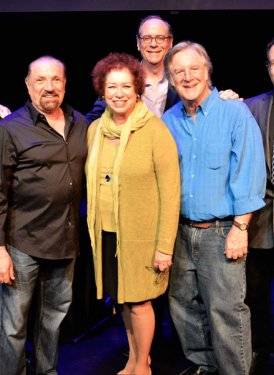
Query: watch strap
x: 241, y: 226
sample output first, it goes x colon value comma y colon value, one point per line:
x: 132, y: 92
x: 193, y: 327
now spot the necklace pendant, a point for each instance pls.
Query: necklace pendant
x: 107, y: 177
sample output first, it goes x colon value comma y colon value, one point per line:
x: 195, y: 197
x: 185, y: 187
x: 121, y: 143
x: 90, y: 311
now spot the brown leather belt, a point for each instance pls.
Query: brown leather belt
x: 203, y: 224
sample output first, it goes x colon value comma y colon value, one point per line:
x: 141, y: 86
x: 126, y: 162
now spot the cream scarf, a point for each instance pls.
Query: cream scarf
x: 106, y: 127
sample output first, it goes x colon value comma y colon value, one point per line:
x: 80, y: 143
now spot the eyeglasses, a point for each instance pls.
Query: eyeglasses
x: 270, y: 64
x: 159, y: 39
x: 160, y: 275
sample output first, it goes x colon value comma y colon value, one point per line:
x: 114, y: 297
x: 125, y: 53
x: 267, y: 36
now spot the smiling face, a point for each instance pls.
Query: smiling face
x: 46, y: 83
x: 189, y: 74
x: 153, y: 52
x: 120, y: 94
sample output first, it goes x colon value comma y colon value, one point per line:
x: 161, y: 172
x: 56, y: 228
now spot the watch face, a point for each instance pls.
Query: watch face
x: 241, y: 226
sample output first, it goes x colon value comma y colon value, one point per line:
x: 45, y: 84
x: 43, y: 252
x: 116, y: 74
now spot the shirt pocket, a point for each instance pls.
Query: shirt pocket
x: 216, y: 155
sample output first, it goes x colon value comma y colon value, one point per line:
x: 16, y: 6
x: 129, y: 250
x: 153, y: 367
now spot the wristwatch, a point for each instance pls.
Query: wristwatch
x: 241, y: 226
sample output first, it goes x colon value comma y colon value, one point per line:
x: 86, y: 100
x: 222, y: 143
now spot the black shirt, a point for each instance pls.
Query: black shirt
x: 40, y: 183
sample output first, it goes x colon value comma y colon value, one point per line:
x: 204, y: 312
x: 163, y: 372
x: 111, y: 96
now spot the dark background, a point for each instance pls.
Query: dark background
x: 80, y: 32
x: 235, y: 40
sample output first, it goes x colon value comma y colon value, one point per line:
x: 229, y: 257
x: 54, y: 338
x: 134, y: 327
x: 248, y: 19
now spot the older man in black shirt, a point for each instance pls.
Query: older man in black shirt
x: 42, y: 156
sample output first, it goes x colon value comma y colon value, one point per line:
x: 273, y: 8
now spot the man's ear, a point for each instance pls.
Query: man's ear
x: 137, y: 41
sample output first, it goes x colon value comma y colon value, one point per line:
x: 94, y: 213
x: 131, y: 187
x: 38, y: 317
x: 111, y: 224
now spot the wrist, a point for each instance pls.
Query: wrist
x: 241, y: 226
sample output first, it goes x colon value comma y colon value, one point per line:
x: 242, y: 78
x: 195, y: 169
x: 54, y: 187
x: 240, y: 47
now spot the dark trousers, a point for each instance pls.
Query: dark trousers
x: 259, y: 273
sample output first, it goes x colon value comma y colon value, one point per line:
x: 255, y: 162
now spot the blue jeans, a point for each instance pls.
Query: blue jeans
x: 206, y: 296
x: 53, y: 280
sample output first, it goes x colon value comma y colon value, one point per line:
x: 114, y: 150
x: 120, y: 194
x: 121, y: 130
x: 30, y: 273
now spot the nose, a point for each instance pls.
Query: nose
x: 48, y: 86
x: 187, y: 74
x: 119, y: 91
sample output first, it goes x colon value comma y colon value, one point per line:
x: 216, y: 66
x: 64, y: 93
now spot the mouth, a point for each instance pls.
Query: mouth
x: 119, y: 103
x: 189, y: 87
x: 49, y: 95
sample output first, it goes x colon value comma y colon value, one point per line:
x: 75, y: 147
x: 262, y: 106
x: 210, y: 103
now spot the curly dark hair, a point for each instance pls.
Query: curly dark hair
x: 117, y: 61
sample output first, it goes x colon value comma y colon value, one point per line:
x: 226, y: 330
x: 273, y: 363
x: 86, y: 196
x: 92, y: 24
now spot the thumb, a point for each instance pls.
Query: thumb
x: 11, y: 272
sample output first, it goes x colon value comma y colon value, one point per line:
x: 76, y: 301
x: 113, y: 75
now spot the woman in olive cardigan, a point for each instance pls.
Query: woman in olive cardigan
x: 133, y: 186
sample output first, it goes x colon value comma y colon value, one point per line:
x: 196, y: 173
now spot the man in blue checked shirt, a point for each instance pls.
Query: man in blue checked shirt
x: 223, y: 181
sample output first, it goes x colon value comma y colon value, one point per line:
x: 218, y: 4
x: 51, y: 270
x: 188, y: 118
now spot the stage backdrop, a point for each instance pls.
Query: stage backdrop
x: 81, y: 32
x: 233, y: 38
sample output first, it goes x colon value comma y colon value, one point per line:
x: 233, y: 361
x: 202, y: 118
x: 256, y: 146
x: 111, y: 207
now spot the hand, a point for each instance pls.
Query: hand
x: 162, y: 261
x: 6, y: 267
x: 4, y: 111
x: 236, y: 243
x: 229, y: 94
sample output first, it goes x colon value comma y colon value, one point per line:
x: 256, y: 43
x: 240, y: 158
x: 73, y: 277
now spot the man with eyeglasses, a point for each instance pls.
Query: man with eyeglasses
x: 154, y: 39
x: 260, y: 260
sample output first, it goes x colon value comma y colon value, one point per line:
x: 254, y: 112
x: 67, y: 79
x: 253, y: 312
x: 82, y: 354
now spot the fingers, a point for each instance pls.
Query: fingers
x: 162, y: 261
x: 11, y: 273
x: 6, y: 278
x: 4, y: 111
x: 236, y: 253
x: 163, y: 265
x: 229, y: 94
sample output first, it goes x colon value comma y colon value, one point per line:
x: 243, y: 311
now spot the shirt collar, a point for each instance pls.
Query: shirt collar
x: 207, y: 104
x: 37, y: 116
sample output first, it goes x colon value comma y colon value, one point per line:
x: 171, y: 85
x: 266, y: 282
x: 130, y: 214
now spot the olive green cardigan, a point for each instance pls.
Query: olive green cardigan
x: 149, y: 196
